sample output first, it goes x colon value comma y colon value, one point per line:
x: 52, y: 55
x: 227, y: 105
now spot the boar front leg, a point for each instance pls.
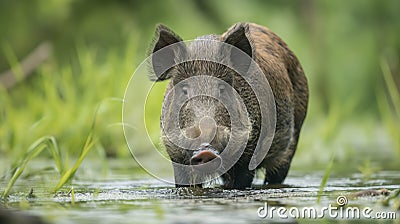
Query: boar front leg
x: 238, y: 177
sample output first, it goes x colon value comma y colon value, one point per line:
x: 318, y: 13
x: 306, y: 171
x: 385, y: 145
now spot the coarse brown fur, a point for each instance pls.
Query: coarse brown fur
x: 286, y: 79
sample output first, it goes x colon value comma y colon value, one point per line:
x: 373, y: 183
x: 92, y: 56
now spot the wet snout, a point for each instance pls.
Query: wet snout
x: 204, y: 154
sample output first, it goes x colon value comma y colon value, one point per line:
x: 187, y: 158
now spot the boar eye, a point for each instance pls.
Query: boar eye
x: 221, y: 88
x: 185, y: 90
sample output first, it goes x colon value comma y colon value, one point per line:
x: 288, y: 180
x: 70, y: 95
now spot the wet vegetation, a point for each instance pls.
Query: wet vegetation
x: 62, y: 147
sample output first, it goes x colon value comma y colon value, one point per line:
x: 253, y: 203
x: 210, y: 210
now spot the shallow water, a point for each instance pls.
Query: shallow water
x: 121, y: 199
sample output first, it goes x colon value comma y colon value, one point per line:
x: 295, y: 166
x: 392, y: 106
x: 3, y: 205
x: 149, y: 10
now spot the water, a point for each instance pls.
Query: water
x: 123, y: 199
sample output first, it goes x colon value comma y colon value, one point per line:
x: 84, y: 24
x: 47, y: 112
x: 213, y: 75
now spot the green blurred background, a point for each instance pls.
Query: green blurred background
x: 348, y: 49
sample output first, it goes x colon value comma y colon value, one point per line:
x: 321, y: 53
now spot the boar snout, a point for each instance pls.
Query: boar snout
x: 203, y: 131
x: 204, y: 154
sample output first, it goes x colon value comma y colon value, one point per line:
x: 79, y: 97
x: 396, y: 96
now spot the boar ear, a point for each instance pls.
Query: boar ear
x: 162, y: 60
x: 236, y: 36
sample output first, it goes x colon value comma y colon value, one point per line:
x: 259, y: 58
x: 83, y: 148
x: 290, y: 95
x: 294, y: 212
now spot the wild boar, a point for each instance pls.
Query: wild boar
x: 207, y: 95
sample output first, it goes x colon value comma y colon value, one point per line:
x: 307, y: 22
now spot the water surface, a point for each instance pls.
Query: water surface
x: 121, y: 199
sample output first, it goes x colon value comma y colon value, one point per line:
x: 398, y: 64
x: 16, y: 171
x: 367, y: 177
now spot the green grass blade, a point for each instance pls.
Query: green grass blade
x: 387, y: 101
x: 393, y: 92
x: 35, y: 149
x: 56, y: 153
x: 72, y: 196
x: 90, y: 141
x: 18, y: 171
x: 327, y: 173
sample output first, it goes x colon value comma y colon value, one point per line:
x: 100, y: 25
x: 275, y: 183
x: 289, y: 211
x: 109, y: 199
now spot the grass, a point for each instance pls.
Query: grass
x: 389, y: 105
x: 55, y: 108
x: 325, y: 178
x: 49, y: 142
x: 393, y: 200
x: 60, y: 100
x: 71, y: 172
x: 72, y: 196
x: 367, y: 170
x: 35, y: 149
x: 347, y: 133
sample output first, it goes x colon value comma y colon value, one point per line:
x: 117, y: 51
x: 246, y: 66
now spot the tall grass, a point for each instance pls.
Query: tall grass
x: 389, y: 105
x: 325, y: 178
x: 50, y: 143
x: 35, y: 149
x: 354, y: 138
x: 57, y: 107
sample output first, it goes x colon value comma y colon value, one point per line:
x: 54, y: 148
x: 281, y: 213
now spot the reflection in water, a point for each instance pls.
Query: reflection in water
x: 123, y: 200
